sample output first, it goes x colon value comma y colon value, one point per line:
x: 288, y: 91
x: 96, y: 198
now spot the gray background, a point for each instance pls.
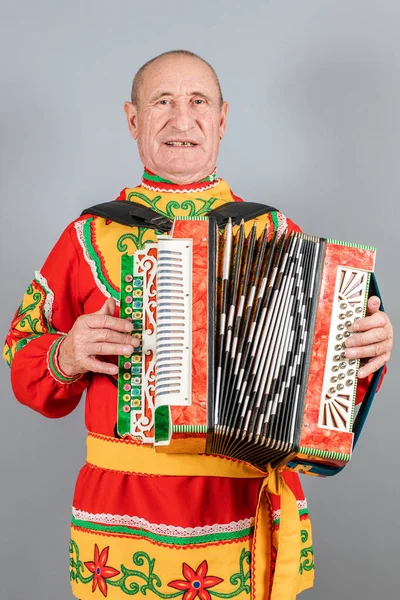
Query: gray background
x: 313, y: 128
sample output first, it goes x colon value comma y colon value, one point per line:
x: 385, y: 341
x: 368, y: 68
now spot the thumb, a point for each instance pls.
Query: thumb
x: 108, y: 307
x: 373, y: 305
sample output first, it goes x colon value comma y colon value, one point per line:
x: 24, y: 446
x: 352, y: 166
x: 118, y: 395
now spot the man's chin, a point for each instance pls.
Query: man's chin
x: 181, y: 170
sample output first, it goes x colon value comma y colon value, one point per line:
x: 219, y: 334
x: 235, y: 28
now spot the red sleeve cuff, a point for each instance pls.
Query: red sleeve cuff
x: 53, y: 365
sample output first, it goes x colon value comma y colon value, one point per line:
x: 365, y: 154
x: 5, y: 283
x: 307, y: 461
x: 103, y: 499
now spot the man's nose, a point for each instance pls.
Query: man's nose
x: 181, y: 118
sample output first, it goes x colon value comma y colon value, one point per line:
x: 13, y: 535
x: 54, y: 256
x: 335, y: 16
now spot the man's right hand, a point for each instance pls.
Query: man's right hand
x: 97, y: 334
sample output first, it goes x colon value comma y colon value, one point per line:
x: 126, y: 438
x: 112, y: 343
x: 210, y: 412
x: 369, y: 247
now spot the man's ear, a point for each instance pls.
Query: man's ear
x: 222, y: 124
x: 131, y: 115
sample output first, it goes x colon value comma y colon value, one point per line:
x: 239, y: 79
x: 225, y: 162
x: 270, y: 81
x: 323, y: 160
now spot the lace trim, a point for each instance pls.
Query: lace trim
x: 301, y: 505
x: 166, y: 190
x: 48, y: 303
x: 162, y: 529
x: 81, y: 238
x: 282, y: 223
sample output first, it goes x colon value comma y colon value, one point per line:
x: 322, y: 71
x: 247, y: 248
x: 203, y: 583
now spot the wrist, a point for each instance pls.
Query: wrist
x: 56, y: 363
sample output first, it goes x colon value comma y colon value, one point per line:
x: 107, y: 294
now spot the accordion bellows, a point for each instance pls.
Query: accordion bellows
x: 242, y: 343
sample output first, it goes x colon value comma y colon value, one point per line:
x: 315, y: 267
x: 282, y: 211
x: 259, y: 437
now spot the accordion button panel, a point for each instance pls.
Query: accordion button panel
x: 337, y: 402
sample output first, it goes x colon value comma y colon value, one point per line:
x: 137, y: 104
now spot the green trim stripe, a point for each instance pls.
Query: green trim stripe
x: 147, y: 177
x: 324, y: 454
x: 351, y: 245
x: 166, y: 539
x: 189, y: 428
x: 275, y: 220
x: 303, y: 511
x: 93, y: 255
x: 53, y: 367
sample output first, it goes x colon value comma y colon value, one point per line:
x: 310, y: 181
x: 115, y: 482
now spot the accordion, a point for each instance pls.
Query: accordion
x: 242, y: 336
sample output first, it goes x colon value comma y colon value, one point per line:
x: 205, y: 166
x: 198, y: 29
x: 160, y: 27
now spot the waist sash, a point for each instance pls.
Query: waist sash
x: 131, y: 458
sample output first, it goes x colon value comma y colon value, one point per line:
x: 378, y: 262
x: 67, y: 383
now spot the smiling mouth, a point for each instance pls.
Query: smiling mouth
x: 181, y: 144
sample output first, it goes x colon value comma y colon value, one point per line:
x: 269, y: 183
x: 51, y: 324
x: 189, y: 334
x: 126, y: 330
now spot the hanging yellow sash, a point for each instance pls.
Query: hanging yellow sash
x: 119, y: 455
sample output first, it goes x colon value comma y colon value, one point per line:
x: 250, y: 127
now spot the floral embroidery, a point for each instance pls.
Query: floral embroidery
x: 196, y: 583
x: 306, y: 563
x: 31, y: 319
x: 143, y: 579
x: 136, y: 239
x: 173, y: 206
x: 101, y: 572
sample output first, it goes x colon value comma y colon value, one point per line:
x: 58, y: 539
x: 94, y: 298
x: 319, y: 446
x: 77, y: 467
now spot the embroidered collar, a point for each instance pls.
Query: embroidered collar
x: 153, y: 182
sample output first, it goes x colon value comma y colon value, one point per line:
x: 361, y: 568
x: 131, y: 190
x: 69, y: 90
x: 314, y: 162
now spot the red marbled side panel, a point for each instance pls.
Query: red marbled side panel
x: 313, y: 436
x: 196, y: 414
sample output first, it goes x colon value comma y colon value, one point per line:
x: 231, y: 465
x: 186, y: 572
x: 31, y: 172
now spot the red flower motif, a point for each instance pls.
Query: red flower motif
x: 195, y: 582
x: 100, y: 569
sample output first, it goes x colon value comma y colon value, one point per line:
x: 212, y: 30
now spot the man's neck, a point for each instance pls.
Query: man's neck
x: 182, y: 180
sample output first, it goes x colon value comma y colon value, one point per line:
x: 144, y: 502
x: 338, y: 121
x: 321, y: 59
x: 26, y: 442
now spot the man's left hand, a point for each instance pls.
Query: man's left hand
x: 372, y: 340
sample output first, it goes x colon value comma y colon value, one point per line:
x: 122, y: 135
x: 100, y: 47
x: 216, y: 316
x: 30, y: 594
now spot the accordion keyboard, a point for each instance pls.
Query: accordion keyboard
x: 174, y: 318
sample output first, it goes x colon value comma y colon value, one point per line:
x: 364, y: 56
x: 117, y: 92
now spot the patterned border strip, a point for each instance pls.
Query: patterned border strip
x: 324, y: 454
x: 189, y: 428
x: 302, y: 508
x: 49, y: 299
x: 54, y: 367
x: 351, y: 245
x: 130, y: 366
x: 241, y: 527
x: 166, y: 190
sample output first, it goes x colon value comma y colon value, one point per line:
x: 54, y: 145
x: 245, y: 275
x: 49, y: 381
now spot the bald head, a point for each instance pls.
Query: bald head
x: 141, y: 74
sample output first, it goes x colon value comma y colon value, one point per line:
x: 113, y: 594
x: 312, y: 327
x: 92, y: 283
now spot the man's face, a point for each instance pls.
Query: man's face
x: 179, y: 120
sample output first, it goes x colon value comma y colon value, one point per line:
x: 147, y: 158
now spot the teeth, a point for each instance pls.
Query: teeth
x: 180, y: 144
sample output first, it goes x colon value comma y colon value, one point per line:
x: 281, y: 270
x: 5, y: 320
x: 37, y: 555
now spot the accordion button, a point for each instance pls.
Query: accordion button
x: 348, y: 323
x: 126, y: 376
x: 342, y: 365
x: 340, y: 386
x: 126, y: 408
x: 343, y: 305
x: 349, y: 382
x: 357, y: 318
x: 343, y: 355
x: 349, y: 313
x: 127, y: 365
x: 341, y: 376
x: 342, y: 316
x: 126, y: 397
x: 129, y: 299
x: 332, y: 390
x: 336, y: 358
x: 346, y: 334
x: 350, y: 372
x: 128, y: 310
x: 359, y: 309
x: 340, y: 327
x: 339, y: 336
x: 127, y: 387
x: 128, y: 278
x: 128, y: 289
x: 338, y: 347
x: 352, y: 362
x: 334, y: 379
x: 335, y: 368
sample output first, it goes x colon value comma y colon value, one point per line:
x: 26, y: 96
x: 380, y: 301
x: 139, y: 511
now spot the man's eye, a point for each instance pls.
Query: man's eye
x: 163, y: 102
x: 199, y: 101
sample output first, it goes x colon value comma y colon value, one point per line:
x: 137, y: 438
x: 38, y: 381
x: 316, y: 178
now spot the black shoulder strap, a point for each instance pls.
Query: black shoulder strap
x: 136, y: 215
x: 130, y: 213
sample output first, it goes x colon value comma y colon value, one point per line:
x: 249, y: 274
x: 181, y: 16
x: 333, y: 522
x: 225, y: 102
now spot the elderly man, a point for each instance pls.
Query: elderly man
x: 145, y: 525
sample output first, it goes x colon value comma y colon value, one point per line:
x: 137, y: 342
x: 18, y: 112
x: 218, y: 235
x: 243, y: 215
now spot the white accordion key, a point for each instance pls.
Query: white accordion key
x: 174, y: 322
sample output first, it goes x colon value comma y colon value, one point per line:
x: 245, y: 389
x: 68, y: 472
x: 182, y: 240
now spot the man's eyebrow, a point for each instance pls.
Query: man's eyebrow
x: 160, y: 94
